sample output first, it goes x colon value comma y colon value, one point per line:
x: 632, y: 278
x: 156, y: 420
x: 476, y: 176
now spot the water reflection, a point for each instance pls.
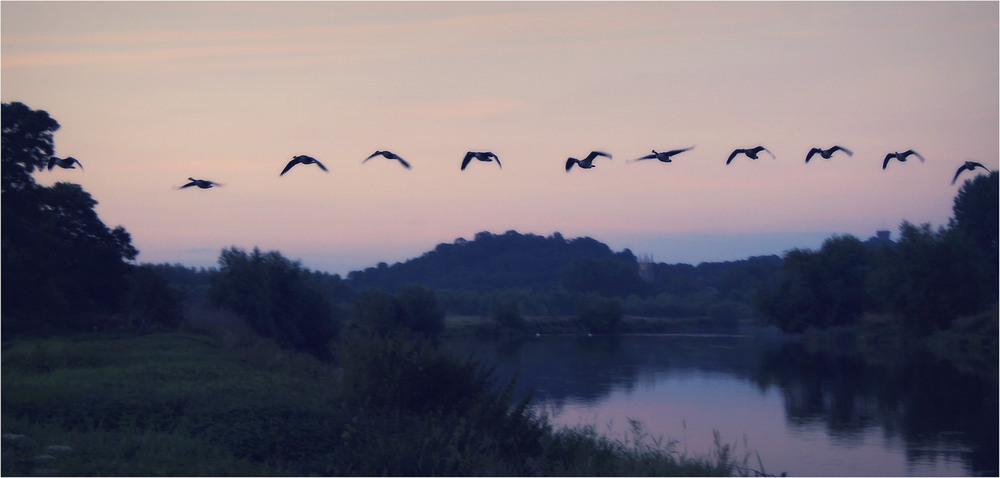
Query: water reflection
x: 915, y: 409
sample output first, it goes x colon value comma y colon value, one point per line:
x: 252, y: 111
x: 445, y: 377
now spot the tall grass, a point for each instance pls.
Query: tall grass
x: 188, y: 404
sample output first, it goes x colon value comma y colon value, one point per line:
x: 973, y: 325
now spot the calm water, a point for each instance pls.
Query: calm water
x: 806, y: 414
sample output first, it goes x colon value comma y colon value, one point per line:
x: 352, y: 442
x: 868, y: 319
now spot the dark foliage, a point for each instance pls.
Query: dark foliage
x: 60, y: 262
x: 488, y: 262
x: 552, y: 276
x: 600, y: 316
x: 607, y: 277
x: 823, y: 288
x: 402, y: 385
x: 413, y: 309
x: 922, y: 283
x: 508, y: 315
x: 278, y: 299
x: 150, y: 301
x: 27, y: 144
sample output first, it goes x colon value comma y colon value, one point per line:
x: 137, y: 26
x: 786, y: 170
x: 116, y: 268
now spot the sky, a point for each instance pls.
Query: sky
x: 149, y: 94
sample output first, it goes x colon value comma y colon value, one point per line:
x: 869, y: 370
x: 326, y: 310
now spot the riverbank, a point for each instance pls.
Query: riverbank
x: 970, y: 344
x: 484, y: 326
x: 184, y: 404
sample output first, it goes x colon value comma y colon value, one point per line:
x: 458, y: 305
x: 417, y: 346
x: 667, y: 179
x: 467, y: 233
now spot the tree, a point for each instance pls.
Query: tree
x: 278, y: 299
x: 59, y: 261
x: 508, y: 315
x: 27, y: 144
x: 820, y: 289
x: 414, y: 308
x: 419, y: 310
x: 601, y: 316
x: 928, y: 278
x: 608, y: 277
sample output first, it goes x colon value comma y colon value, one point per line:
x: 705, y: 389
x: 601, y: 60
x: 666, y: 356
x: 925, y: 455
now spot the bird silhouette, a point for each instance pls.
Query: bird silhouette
x: 969, y: 165
x: 663, y: 157
x: 901, y: 157
x: 585, y: 163
x: 65, y: 163
x: 388, y: 155
x: 751, y: 153
x: 201, y: 183
x: 827, y: 153
x: 482, y: 156
x: 302, y: 159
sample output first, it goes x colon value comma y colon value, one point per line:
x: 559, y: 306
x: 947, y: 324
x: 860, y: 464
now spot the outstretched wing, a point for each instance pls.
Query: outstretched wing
x: 648, y: 156
x: 52, y: 162
x: 909, y: 152
x: 960, y: 169
x: 595, y: 154
x: 466, y: 159
x: 841, y: 148
x: 812, y: 152
x: 768, y: 152
x: 733, y: 155
x: 288, y: 166
x: 402, y: 161
x: 888, y: 157
x: 320, y: 165
x: 77, y: 161
x: 570, y: 162
x: 678, y: 151
x: 376, y: 153
x: 192, y: 183
x: 497, y: 158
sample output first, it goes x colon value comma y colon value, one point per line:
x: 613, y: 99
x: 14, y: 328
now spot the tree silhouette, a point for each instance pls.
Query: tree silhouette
x: 27, y: 144
x: 277, y: 297
x: 975, y: 212
x: 59, y: 261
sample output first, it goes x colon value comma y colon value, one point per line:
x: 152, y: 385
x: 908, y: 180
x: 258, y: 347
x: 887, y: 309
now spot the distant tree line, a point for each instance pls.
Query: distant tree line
x: 921, y: 283
x: 554, y: 276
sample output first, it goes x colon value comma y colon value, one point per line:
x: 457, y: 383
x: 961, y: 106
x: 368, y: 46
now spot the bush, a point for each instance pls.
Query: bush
x: 150, y: 301
x: 277, y: 298
x: 508, y: 315
x: 601, y: 316
x: 414, y: 308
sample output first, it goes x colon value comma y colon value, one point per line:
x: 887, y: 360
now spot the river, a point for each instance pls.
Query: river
x: 804, y: 413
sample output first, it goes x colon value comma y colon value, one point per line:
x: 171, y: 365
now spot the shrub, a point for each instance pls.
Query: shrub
x: 149, y: 300
x: 508, y: 315
x: 276, y: 297
x: 601, y: 316
x: 414, y: 308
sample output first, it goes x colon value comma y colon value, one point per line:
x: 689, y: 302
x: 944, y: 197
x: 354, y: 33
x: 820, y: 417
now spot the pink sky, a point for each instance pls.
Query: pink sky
x: 150, y: 93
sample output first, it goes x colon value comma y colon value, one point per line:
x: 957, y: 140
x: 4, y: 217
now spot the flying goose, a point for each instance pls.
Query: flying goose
x: 388, y: 155
x: 971, y: 166
x: 302, y: 159
x: 482, y: 156
x: 585, y: 163
x: 65, y: 163
x: 901, y: 157
x: 751, y: 153
x: 663, y: 157
x: 201, y: 183
x: 827, y: 153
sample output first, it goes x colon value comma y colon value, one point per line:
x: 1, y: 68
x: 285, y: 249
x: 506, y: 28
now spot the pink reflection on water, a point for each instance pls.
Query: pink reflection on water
x: 686, y: 408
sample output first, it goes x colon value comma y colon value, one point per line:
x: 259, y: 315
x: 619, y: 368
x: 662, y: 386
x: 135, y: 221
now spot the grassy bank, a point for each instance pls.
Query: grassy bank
x: 192, y: 404
x: 468, y: 325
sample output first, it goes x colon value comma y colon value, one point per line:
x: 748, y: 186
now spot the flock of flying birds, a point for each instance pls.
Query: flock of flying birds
x: 585, y: 163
